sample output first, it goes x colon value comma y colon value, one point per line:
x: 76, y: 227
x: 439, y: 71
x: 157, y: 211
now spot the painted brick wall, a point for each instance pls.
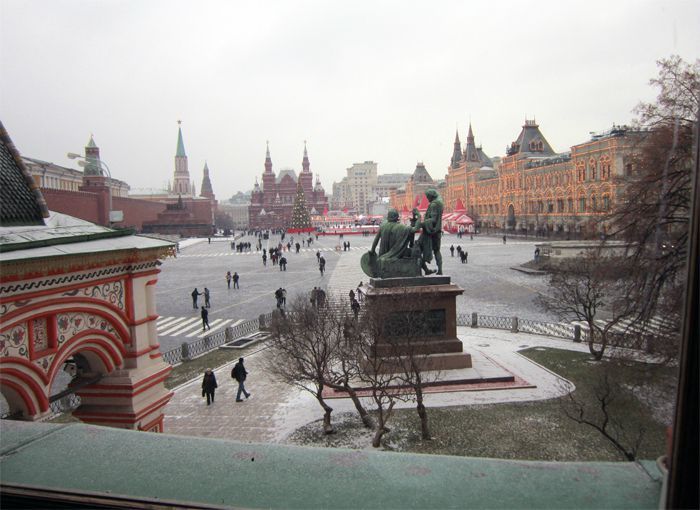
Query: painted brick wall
x: 80, y: 204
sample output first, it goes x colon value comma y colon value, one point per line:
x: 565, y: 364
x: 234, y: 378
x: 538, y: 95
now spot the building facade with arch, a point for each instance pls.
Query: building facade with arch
x: 75, y: 293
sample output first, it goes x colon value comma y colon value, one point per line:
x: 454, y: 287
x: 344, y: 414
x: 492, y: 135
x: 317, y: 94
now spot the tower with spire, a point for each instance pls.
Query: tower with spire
x: 205, y: 189
x: 181, y: 180
x: 92, y: 158
x: 306, y: 177
x: 457, y: 152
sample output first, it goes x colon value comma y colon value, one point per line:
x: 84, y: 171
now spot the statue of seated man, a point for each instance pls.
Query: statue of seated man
x: 395, y: 257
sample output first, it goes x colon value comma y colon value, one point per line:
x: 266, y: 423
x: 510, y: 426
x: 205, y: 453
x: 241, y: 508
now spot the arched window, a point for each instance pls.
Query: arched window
x: 592, y: 169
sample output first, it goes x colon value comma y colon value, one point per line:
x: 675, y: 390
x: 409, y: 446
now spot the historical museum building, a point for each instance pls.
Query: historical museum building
x: 535, y: 189
x: 271, y: 204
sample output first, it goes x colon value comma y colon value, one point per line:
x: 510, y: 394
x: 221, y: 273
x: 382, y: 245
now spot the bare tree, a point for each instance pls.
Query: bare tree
x: 654, y: 213
x: 377, y: 371
x: 310, y: 350
x: 410, y: 349
x: 603, y: 415
x: 303, y: 344
x: 347, y: 365
x: 595, y: 290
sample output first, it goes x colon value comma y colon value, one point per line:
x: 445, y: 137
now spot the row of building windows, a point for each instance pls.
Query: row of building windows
x: 558, y: 206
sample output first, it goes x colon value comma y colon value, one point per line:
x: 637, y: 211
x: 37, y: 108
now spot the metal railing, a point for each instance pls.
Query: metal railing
x: 516, y: 324
x: 65, y: 404
x: 190, y: 350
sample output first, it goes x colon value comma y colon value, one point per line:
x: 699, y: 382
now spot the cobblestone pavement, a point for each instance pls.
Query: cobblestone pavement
x: 491, y: 287
x: 275, y: 410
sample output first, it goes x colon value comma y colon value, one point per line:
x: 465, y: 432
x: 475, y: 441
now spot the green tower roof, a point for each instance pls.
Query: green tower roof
x: 180, y: 144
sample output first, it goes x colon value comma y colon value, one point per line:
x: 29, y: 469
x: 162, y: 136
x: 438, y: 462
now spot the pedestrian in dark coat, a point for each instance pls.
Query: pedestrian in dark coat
x: 205, y: 319
x: 236, y: 277
x: 239, y: 373
x: 195, y: 293
x: 452, y: 250
x: 207, y: 303
x: 355, y: 305
x: 209, y: 385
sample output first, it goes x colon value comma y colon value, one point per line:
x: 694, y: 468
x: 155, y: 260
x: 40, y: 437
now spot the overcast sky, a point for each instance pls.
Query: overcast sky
x: 358, y: 80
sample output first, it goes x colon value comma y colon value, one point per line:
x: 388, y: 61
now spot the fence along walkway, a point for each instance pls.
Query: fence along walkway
x: 190, y: 350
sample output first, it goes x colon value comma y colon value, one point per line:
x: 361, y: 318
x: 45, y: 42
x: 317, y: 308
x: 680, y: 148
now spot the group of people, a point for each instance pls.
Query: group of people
x: 463, y: 254
x: 238, y: 373
x: 318, y: 297
x: 243, y: 246
x: 232, y: 278
x: 346, y: 245
x: 195, y: 298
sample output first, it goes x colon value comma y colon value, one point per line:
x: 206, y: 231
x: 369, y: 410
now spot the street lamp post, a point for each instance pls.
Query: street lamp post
x: 114, y: 216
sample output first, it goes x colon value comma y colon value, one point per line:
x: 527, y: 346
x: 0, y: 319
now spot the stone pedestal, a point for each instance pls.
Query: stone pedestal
x: 419, y: 315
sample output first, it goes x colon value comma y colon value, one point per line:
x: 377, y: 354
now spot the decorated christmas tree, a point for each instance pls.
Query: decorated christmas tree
x: 301, y: 221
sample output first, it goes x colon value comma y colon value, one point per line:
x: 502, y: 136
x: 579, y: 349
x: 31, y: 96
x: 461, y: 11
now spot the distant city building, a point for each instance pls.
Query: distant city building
x: 271, y: 204
x: 386, y: 183
x: 535, y: 189
x: 409, y: 196
x: 52, y: 176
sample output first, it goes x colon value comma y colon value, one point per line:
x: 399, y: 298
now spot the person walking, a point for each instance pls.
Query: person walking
x: 205, y: 319
x: 236, y: 277
x: 297, y: 246
x: 452, y: 250
x: 264, y: 257
x: 358, y: 292
x: 278, y: 297
x: 284, y: 297
x: 239, y: 373
x: 314, y: 297
x: 283, y: 263
x: 318, y: 256
x: 321, y: 297
x: 207, y: 303
x: 352, y: 295
x: 194, y: 294
x: 228, y: 279
x: 322, y: 264
x: 537, y: 254
x: 355, y: 306
x: 209, y: 385
x: 504, y: 239
x: 466, y: 256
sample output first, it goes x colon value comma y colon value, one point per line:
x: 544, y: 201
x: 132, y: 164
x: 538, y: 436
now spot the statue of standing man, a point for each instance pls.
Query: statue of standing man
x: 429, y: 240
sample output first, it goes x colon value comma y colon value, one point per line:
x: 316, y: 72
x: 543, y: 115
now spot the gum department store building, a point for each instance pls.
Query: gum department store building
x: 534, y: 189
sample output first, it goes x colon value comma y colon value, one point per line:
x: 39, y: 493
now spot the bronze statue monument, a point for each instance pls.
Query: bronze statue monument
x: 398, y: 255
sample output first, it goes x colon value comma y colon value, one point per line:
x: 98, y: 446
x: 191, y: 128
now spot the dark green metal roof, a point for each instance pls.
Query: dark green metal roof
x: 230, y: 474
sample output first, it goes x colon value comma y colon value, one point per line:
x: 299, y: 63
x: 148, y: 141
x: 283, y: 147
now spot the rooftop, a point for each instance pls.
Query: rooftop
x: 161, y: 468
